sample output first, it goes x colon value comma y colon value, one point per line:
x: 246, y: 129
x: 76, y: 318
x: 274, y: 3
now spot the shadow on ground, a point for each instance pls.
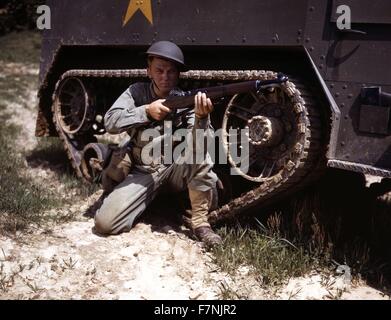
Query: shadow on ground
x: 165, y: 214
x: 50, y: 154
x: 341, y: 219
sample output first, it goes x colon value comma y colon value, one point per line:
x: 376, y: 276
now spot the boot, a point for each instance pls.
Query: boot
x: 207, y: 236
x: 201, y: 202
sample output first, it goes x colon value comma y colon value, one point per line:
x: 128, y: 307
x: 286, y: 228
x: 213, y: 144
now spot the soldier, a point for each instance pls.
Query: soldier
x: 140, y: 107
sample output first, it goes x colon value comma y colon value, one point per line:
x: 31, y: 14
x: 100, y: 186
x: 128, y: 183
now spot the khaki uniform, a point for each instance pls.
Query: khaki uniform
x: 130, y: 198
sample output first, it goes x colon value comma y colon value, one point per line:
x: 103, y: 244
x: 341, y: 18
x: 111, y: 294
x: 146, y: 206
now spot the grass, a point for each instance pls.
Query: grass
x: 228, y: 293
x: 21, y: 47
x: 337, y: 222
x: 272, y: 259
x: 23, y: 202
x: 340, y: 219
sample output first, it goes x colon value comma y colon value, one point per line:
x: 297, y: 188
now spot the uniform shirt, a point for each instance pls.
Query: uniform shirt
x: 128, y: 113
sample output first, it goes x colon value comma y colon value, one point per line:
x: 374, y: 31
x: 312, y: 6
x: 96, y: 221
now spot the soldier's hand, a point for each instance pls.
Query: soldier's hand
x: 202, y: 105
x: 156, y: 110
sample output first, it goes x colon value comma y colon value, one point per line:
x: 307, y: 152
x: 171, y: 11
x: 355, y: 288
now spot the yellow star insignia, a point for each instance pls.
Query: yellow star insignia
x: 144, y: 5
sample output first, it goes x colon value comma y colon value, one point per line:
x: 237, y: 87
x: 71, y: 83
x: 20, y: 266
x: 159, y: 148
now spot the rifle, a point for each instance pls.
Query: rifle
x: 185, y: 99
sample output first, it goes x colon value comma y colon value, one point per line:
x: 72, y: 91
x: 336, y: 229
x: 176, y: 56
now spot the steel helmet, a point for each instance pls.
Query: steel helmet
x: 168, y: 50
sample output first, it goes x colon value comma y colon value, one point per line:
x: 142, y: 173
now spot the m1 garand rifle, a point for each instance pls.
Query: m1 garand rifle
x: 184, y: 100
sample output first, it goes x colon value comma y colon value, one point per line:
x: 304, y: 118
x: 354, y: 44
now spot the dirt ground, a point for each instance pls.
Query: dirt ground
x: 152, y: 261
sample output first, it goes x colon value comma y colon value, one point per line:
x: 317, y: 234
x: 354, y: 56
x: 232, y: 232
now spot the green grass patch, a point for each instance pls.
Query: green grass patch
x: 271, y: 258
x: 338, y: 221
x: 23, y: 47
x: 21, y: 201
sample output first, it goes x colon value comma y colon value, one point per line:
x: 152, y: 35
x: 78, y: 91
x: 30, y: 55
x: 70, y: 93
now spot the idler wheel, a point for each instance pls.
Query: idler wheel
x: 72, y: 106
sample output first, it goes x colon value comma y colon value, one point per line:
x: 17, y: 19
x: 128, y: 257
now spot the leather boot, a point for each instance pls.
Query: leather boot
x: 207, y: 236
x: 201, y: 202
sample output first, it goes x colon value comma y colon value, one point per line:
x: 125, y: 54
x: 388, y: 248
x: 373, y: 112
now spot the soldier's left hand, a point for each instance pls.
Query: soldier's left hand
x: 202, y: 105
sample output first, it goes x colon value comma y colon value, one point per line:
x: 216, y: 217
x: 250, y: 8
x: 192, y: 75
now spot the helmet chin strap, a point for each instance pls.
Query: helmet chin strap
x: 155, y: 84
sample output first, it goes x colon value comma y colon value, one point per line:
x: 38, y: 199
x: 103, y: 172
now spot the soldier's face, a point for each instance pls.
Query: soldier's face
x: 165, y: 75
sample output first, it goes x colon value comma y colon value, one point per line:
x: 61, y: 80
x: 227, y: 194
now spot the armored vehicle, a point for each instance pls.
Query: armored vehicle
x: 333, y: 112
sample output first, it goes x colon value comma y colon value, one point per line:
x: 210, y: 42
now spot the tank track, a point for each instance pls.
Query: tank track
x: 304, y: 157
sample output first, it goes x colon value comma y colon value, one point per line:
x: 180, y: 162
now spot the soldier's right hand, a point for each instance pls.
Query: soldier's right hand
x: 156, y: 110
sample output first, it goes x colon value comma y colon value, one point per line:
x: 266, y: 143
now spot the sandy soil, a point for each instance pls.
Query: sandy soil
x: 153, y: 261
